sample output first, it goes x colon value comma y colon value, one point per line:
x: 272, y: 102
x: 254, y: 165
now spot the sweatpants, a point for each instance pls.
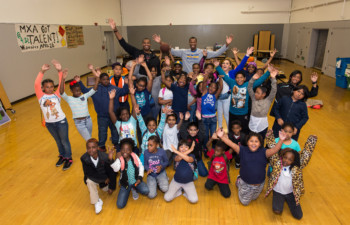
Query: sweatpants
x: 278, y: 202
x: 175, y: 191
x: 248, y: 192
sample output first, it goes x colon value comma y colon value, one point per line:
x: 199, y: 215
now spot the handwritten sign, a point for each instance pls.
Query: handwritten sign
x: 36, y: 37
x: 74, y: 36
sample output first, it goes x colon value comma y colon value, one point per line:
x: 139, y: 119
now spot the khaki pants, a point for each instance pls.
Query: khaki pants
x: 92, y: 186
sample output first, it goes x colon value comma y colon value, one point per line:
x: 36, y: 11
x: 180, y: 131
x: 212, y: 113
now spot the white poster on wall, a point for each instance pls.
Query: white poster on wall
x: 36, y: 37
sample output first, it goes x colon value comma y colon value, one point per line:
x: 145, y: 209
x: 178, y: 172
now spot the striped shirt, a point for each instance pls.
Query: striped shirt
x: 79, y: 105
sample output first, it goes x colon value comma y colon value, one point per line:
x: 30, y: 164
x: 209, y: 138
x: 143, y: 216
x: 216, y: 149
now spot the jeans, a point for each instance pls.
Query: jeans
x: 193, y: 112
x: 161, y: 179
x: 202, y: 170
x: 103, y: 124
x: 84, y: 126
x: 210, y: 127
x: 224, y: 188
x: 59, y: 132
x: 155, y: 110
x: 223, y: 111
x: 124, y: 193
x: 278, y: 202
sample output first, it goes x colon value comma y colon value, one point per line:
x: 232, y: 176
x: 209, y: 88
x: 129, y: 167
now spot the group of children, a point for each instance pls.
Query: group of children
x: 172, y: 122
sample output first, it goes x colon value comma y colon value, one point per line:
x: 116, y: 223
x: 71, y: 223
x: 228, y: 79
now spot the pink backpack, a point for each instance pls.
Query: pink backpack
x: 122, y: 161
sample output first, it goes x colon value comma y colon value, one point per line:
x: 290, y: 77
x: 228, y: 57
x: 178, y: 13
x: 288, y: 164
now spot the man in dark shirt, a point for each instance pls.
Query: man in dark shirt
x: 151, y: 59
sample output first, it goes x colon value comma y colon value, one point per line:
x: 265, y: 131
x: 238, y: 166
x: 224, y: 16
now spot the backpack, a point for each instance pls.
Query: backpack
x: 227, y: 165
x: 122, y: 161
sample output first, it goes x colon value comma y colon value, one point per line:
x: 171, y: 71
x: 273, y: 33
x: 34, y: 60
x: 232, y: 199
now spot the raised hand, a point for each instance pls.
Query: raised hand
x: 112, y: 23
x: 156, y: 38
x: 57, y: 65
x: 274, y: 73
x: 270, y: 68
x: 250, y: 50
x: 187, y: 115
x: 98, y: 72
x: 90, y: 66
x: 167, y: 60
x: 111, y: 152
x: 280, y: 122
x: 282, y: 135
x: 229, y: 39
x: 256, y: 76
x: 45, y: 68
x: 77, y: 78
x: 198, y: 115
x: 132, y: 91
x: 140, y: 59
x: 269, y: 133
x: 112, y: 94
x: 137, y: 109
x: 314, y: 77
x: 215, y: 136
x: 234, y: 50
x: 205, y: 53
x: 65, y: 73
x: 216, y: 62
x: 181, y: 116
x: 220, y: 133
x: 272, y: 53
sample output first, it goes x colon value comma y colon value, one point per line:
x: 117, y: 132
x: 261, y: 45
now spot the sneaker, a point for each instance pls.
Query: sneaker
x: 135, y: 195
x: 98, y: 206
x: 60, y: 161
x: 237, y: 165
x: 67, y: 164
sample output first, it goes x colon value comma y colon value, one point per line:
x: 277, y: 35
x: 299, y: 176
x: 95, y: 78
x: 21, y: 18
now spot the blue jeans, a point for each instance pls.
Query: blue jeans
x: 103, y: 124
x: 124, y: 193
x: 161, y: 179
x: 210, y: 127
x: 84, y: 126
x: 59, y: 132
x: 155, y: 111
x: 202, y: 170
x: 193, y: 112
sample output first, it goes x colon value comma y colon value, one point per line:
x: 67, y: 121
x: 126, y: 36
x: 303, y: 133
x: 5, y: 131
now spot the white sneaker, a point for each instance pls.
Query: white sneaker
x: 135, y: 195
x: 98, y: 206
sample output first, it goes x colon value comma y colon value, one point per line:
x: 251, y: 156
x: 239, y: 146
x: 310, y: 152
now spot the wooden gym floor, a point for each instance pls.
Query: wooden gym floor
x: 34, y: 191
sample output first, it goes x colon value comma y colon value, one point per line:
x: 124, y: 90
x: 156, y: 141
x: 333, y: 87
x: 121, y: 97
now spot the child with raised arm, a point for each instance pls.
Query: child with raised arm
x: 149, y: 128
x: 253, y: 157
x: 219, y: 165
x: 209, y: 97
x: 239, y: 95
x: 131, y: 172
x: 292, y: 109
x: 286, y: 180
x: 55, y: 119
x: 180, y: 90
x: 97, y: 172
x: 195, y: 132
x: 79, y: 105
x: 184, y: 171
x: 125, y: 123
x: 101, y: 104
x: 170, y: 134
x: 156, y: 161
x: 261, y: 103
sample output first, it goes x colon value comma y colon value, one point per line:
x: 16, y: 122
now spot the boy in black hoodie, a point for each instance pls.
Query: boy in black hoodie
x: 195, y: 131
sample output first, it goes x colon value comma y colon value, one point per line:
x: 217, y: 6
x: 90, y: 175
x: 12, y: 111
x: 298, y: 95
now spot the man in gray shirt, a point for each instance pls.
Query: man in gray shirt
x: 194, y: 55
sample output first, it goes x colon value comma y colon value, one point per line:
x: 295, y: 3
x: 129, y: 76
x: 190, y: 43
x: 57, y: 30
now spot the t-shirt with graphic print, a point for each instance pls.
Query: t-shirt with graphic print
x: 127, y: 129
x: 152, y: 160
x: 218, y: 168
x: 143, y: 100
x: 208, y: 106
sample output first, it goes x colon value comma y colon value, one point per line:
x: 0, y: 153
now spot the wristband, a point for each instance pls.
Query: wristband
x: 115, y: 30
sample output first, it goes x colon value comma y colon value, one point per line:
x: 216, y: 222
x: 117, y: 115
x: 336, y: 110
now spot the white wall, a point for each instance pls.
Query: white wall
x: 319, y: 10
x: 74, y: 12
x: 197, y: 12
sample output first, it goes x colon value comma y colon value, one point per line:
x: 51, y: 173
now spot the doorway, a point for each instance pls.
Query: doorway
x: 109, y: 43
x: 317, y: 49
